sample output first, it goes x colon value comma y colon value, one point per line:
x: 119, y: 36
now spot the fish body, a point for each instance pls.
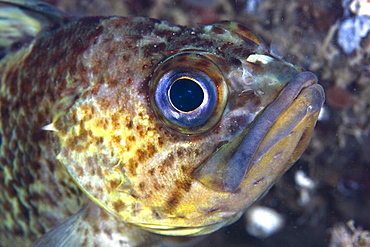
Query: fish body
x: 116, y: 128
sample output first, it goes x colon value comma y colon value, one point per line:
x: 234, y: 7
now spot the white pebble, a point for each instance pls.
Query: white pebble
x: 303, y: 181
x: 262, y: 222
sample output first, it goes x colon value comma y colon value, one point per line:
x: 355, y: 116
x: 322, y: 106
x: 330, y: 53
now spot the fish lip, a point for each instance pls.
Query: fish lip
x: 228, y: 177
x: 235, y: 173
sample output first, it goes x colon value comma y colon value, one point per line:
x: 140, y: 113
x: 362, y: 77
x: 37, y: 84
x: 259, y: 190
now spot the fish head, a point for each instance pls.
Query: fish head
x: 180, y: 129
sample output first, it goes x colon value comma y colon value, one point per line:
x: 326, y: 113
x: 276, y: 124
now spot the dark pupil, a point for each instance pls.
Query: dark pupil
x: 186, y: 95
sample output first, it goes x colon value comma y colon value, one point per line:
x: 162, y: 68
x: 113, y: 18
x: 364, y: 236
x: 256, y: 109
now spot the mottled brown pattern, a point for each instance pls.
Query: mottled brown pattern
x: 119, y: 206
x: 35, y: 107
x: 172, y: 202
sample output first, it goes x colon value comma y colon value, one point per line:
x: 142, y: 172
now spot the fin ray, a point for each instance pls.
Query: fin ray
x: 21, y: 21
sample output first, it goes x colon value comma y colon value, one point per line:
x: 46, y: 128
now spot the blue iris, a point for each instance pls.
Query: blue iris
x: 186, y: 97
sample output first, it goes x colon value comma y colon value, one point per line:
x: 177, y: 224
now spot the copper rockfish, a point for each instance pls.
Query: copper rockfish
x: 125, y: 131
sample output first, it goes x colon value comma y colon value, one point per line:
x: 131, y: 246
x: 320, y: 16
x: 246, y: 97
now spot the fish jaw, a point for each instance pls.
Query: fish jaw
x: 226, y: 169
x: 280, y: 146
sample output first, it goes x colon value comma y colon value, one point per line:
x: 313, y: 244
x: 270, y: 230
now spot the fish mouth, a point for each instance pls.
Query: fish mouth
x: 302, y: 97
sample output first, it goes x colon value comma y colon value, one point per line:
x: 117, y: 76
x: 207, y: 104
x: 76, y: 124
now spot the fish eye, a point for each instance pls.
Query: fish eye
x: 187, y: 97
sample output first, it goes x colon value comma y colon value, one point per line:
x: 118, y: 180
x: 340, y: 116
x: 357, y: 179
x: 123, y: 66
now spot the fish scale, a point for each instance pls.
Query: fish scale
x: 88, y: 149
